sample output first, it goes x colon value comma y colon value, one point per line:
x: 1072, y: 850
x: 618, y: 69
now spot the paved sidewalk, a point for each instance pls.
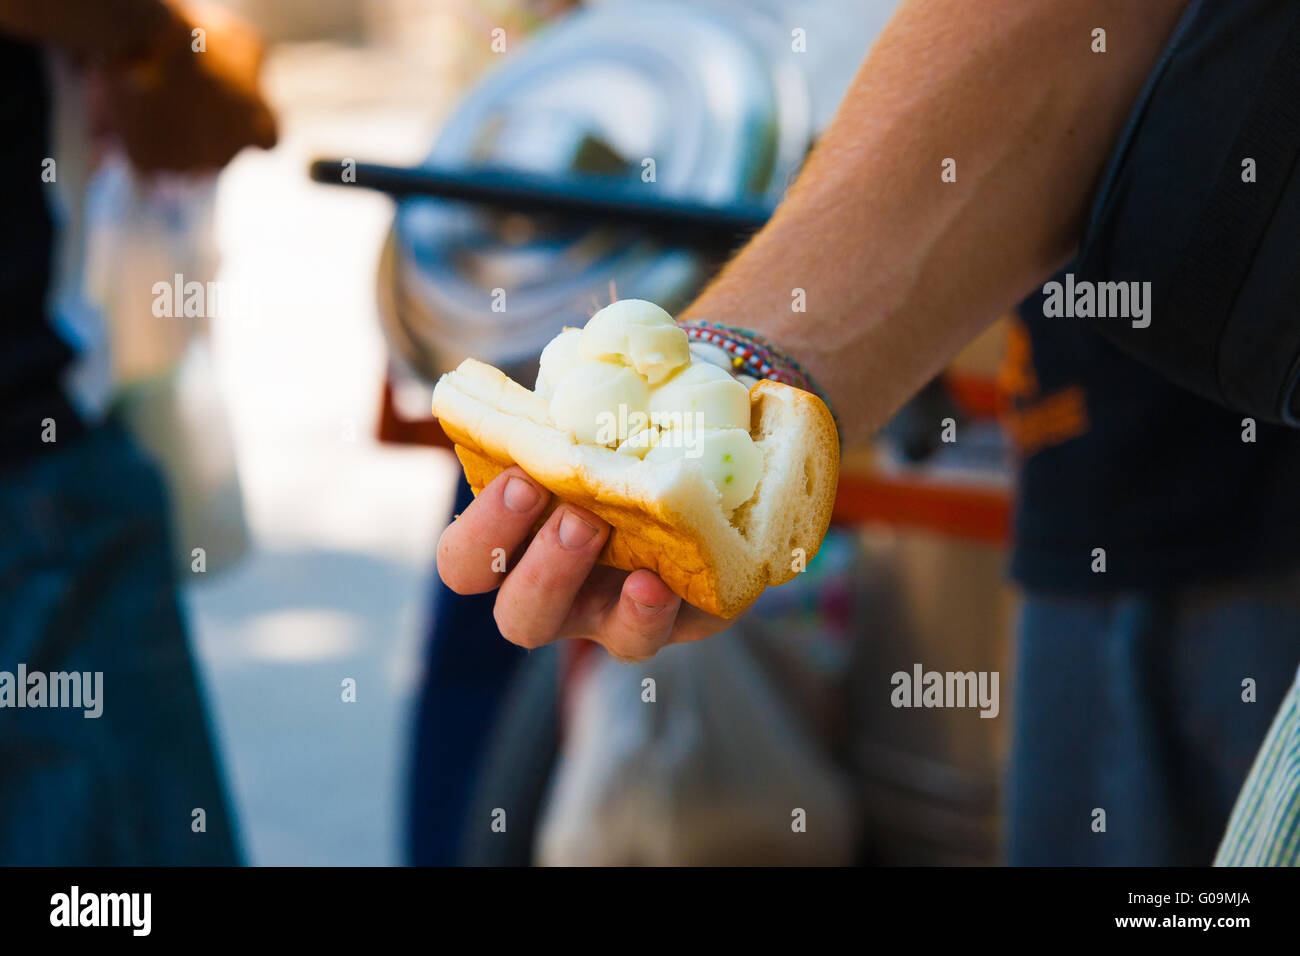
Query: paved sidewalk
x: 343, y: 529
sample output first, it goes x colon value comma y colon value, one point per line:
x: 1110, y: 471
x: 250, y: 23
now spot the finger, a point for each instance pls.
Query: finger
x: 534, y: 602
x: 693, y: 625
x: 642, y: 620
x: 474, y: 548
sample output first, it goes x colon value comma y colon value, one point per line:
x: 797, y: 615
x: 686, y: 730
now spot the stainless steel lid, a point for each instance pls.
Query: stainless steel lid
x: 691, y: 86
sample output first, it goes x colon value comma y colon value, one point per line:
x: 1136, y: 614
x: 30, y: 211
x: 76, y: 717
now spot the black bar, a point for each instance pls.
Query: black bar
x: 584, y: 198
x: 996, y: 907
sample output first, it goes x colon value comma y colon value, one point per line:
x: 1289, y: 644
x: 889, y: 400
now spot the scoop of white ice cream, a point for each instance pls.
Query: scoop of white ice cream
x: 636, y: 333
x: 701, y: 388
x: 558, y: 359
x: 595, y: 400
x: 728, y: 457
x: 627, y: 381
x: 640, y: 442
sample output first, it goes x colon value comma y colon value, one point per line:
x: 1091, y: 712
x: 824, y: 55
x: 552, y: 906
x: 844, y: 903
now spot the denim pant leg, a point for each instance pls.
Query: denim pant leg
x: 1133, y: 706
x: 468, y: 670
x: 86, y: 585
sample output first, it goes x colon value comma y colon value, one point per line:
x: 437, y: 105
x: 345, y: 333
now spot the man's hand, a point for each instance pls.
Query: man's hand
x: 553, y: 588
x: 899, y: 267
x: 184, y: 109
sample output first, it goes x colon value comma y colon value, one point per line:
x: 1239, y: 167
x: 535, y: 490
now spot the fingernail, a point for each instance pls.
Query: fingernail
x: 520, y: 496
x: 574, y: 532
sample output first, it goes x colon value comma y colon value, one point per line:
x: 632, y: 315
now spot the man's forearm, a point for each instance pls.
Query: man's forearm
x: 900, y: 269
x: 102, y: 29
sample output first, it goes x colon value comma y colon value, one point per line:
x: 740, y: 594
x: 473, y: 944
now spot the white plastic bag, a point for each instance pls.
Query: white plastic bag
x: 735, y: 761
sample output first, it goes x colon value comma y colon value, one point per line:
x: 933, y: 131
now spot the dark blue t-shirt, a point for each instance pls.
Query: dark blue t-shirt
x: 1117, y: 457
x: 32, y: 355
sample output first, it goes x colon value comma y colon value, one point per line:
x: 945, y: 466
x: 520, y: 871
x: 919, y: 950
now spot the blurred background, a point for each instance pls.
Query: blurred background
x: 294, y: 425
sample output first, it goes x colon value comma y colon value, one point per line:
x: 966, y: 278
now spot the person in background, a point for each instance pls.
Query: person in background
x: 86, y: 581
x: 1131, y: 731
x: 1129, y: 681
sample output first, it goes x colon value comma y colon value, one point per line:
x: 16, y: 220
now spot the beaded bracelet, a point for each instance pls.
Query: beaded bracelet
x: 753, y: 355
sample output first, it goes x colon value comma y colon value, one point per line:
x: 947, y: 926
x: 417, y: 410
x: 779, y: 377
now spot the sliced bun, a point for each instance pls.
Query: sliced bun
x: 664, y: 517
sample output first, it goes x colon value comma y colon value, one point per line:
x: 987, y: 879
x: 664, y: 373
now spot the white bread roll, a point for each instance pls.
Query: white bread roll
x: 667, y: 517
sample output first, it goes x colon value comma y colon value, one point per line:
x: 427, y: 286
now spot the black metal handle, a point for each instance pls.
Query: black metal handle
x: 584, y: 198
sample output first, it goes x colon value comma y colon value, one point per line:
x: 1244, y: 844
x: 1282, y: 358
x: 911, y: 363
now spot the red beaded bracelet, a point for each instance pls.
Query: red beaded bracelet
x: 752, y: 354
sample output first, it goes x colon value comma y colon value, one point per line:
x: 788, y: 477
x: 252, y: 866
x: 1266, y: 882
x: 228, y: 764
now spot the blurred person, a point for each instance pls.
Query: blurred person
x: 466, y: 680
x: 86, y: 579
x: 1129, y: 675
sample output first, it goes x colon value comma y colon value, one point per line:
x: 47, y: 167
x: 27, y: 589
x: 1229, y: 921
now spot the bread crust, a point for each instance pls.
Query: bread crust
x: 652, y: 536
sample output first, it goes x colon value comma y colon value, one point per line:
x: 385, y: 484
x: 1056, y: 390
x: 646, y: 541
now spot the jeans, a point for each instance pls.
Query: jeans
x: 468, y: 670
x: 86, y: 585
x: 1133, y: 712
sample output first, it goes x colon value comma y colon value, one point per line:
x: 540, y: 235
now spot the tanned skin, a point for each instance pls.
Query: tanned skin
x: 900, y: 269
